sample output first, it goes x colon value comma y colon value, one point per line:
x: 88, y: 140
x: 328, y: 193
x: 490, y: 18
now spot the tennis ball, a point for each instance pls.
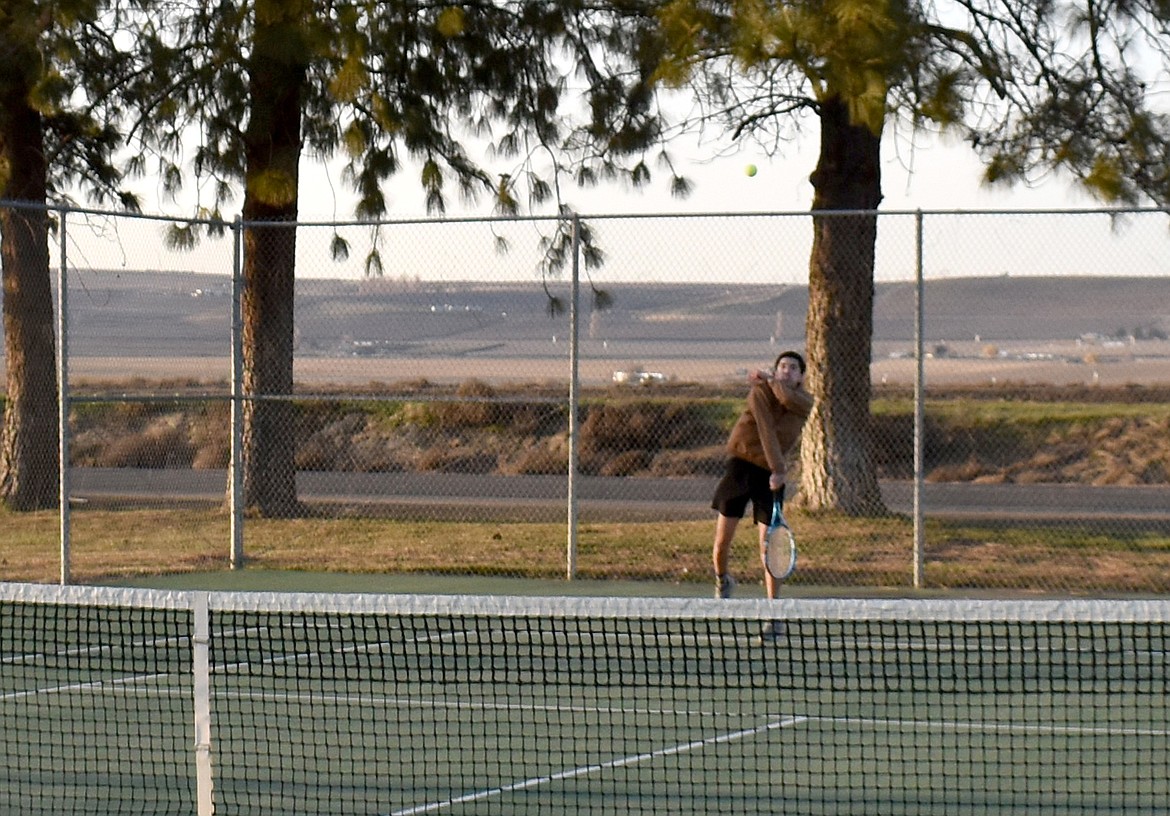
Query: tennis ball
x: 750, y: 169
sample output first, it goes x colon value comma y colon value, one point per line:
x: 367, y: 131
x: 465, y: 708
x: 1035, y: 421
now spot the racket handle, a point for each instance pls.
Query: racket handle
x: 778, y: 509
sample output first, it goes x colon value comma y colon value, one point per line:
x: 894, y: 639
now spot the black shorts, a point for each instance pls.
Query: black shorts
x: 743, y: 482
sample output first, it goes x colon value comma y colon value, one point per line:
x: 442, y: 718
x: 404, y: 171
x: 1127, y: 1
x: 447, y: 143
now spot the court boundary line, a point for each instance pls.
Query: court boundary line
x: 585, y: 770
x: 787, y: 722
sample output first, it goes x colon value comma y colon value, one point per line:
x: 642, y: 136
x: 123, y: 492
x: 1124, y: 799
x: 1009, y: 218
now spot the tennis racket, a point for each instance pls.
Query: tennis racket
x: 779, y: 544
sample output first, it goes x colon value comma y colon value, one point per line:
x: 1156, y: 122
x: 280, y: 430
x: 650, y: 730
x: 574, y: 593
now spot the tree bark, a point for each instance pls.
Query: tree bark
x: 273, y: 148
x: 29, y: 451
x: 838, y: 470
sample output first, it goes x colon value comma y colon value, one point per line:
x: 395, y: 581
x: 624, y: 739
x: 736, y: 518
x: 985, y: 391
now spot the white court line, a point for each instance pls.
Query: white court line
x: 585, y: 770
x: 435, y: 704
x: 91, y: 651
x: 988, y: 727
x: 948, y: 725
x: 93, y: 685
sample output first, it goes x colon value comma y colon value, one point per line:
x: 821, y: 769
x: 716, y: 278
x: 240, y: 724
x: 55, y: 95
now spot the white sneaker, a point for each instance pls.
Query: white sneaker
x: 724, y: 585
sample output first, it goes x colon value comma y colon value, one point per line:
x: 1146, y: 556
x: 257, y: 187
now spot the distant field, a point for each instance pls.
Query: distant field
x: 1146, y: 363
x: 990, y: 330
x: 1147, y: 370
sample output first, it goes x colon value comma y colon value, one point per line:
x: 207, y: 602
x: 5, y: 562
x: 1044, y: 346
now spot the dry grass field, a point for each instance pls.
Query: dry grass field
x: 1066, y: 330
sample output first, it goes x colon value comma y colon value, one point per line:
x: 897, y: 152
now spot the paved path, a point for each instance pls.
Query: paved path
x: 661, y: 498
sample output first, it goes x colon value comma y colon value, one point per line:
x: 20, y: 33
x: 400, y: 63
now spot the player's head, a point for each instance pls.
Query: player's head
x: 793, y: 361
x: 791, y: 355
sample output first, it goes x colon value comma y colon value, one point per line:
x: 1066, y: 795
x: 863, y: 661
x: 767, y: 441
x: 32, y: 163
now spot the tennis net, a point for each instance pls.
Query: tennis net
x: 136, y: 701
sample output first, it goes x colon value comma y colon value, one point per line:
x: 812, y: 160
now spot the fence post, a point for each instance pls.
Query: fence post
x: 235, y: 464
x: 919, y: 405
x: 63, y: 402
x: 571, y: 559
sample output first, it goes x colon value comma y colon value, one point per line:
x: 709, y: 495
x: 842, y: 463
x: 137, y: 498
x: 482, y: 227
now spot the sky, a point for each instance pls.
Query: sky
x: 929, y: 175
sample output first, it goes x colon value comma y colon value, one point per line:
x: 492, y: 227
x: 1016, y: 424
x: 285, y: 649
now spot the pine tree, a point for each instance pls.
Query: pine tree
x: 58, y: 73
x: 1032, y: 87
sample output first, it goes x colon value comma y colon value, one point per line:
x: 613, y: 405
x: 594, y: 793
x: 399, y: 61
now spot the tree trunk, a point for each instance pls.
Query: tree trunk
x: 269, y: 438
x: 273, y: 148
x: 29, y: 450
x: 838, y: 470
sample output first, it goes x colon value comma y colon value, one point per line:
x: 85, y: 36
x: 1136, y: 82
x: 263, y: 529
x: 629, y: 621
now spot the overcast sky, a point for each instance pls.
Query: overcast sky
x: 928, y: 176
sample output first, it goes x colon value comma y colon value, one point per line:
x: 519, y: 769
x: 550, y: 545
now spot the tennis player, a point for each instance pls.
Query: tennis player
x: 760, y: 442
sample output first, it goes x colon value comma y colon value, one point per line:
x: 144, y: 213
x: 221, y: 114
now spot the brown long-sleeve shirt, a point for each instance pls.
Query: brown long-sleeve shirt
x: 770, y: 425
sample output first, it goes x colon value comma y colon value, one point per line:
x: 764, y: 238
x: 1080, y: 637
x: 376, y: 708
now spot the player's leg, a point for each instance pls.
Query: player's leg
x: 730, y: 502
x: 725, y: 527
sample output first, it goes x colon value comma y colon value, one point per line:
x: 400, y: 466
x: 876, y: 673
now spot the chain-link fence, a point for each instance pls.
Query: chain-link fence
x: 494, y: 402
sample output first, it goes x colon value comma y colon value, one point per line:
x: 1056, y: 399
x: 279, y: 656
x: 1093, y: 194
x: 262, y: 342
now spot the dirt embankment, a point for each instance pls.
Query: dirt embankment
x: 1093, y: 435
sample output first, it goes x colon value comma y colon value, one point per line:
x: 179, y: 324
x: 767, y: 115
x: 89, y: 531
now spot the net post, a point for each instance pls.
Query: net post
x: 201, y: 668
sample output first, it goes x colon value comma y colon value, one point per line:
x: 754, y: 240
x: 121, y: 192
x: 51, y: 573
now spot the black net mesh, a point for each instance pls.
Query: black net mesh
x: 95, y: 709
x: 411, y: 705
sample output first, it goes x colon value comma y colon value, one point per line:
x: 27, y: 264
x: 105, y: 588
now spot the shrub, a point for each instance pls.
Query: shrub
x: 625, y: 464
x: 547, y: 459
x: 446, y: 460
x: 474, y: 407
x: 645, y: 426
x: 159, y: 447
x: 707, y: 461
x: 329, y: 448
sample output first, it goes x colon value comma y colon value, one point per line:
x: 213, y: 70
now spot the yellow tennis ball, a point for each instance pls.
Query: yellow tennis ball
x: 750, y: 169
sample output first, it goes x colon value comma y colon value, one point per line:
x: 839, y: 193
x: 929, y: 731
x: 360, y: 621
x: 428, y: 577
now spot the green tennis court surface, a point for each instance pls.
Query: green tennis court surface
x: 425, y: 704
